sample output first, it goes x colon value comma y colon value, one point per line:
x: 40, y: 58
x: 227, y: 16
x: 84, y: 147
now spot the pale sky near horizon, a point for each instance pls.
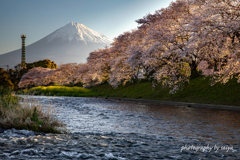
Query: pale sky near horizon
x: 39, y: 18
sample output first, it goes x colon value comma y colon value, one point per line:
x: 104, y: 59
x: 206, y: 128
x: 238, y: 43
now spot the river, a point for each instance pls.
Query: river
x: 154, y: 131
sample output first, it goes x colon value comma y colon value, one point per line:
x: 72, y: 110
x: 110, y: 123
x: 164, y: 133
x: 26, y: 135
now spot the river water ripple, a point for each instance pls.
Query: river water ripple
x: 175, y: 131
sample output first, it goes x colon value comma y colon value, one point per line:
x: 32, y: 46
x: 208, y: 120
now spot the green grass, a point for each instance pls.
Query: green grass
x: 61, y: 91
x: 27, y: 115
x: 198, y: 90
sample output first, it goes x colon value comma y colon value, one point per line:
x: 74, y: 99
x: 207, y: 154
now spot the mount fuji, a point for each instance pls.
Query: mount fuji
x: 70, y: 44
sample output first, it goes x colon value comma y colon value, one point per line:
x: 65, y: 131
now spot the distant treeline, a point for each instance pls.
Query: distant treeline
x: 10, y: 78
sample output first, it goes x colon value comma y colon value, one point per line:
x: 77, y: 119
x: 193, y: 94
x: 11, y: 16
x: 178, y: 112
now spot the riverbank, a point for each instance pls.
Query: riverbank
x: 24, y: 113
x: 197, y: 93
x: 60, y: 91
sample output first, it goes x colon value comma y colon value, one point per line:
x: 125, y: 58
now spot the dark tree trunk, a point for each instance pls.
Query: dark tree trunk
x: 194, y: 72
x: 193, y: 66
x: 215, y: 67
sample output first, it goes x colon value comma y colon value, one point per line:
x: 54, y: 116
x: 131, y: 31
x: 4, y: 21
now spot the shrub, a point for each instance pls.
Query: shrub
x: 27, y: 114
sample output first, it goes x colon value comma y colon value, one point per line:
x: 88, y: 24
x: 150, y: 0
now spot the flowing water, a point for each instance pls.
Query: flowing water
x: 168, y: 132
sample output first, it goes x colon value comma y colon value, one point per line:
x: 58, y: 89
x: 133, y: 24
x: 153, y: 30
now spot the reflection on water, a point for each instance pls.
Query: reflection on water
x: 101, y: 115
x: 198, y: 123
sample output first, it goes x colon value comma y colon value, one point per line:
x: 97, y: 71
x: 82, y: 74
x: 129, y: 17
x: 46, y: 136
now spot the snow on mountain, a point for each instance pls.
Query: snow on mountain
x: 78, y: 32
x: 70, y: 44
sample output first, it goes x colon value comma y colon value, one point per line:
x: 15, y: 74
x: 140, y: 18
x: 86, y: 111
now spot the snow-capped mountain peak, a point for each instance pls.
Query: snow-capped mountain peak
x: 79, y: 32
x: 70, y: 44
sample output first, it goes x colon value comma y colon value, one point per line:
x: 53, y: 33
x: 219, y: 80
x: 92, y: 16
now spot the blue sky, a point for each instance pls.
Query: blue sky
x: 38, y: 18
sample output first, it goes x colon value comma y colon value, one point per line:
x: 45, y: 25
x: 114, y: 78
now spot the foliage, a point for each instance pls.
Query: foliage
x: 42, y: 63
x: 40, y: 76
x: 11, y: 78
x: 61, y: 91
x: 6, y: 97
x: 27, y: 115
x: 169, y: 45
x: 7, y: 79
x: 35, y: 118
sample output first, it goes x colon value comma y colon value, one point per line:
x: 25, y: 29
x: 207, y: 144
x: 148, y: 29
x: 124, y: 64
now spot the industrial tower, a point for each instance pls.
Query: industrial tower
x: 23, y: 50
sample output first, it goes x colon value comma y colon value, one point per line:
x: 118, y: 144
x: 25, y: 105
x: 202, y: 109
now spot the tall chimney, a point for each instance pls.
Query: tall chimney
x: 23, y: 49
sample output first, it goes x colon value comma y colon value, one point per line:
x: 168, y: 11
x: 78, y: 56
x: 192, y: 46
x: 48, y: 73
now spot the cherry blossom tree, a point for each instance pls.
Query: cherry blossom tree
x: 40, y: 76
x: 191, y: 31
x: 136, y: 50
x: 168, y: 44
x: 121, y: 70
x: 81, y: 73
x: 98, y: 67
x: 35, y: 77
x: 216, y: 30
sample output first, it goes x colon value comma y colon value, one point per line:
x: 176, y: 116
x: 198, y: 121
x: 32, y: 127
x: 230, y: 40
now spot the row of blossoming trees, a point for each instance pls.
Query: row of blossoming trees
x: 166, y: 44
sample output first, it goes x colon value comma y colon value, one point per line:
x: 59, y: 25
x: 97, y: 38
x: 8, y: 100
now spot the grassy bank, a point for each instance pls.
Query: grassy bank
x: 197, y: 91
x: 61, y: 91
x: 26, y: 115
